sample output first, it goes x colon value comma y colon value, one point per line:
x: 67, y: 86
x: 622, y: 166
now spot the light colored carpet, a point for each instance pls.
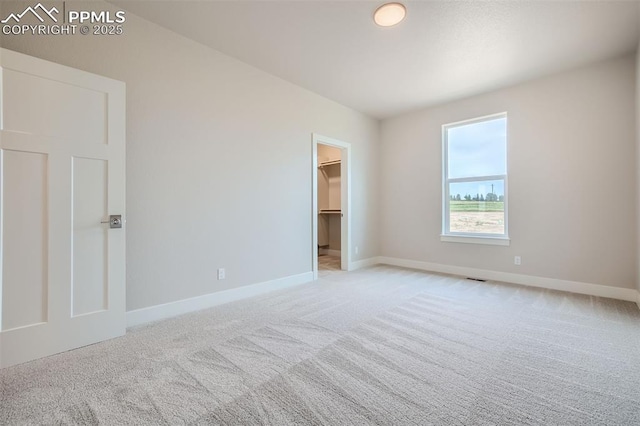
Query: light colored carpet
x: 377, y: 346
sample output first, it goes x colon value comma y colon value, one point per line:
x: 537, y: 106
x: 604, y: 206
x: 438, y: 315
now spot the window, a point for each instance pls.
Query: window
x: 475, y: 181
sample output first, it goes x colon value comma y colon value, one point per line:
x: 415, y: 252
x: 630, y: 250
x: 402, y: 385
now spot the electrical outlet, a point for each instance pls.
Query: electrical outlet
x: 221, y: 273
x: 517, y: 260
x: 357, y: 250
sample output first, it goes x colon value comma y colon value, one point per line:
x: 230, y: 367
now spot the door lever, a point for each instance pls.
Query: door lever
x: 115, y: 221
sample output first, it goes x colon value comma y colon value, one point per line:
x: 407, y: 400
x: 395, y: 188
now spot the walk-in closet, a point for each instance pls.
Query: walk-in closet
x: 329, y: 208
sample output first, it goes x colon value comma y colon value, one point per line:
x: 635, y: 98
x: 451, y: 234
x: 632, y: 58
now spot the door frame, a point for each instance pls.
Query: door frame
x: 345, y: 200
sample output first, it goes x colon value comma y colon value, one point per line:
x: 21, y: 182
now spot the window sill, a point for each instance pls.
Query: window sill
x: 470, y: 239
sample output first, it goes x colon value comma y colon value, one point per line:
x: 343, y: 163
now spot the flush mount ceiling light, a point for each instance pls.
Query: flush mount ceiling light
x: 389, y: 14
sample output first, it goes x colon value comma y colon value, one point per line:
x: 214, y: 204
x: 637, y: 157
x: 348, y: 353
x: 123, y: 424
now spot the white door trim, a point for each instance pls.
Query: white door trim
x: 345, y: 200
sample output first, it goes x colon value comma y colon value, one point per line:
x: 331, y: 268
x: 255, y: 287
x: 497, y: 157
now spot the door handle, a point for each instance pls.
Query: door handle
x: 115, y: 221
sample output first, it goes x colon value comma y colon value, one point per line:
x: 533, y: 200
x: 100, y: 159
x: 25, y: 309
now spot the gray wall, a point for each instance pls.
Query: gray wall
x: 572, y: 178
x: 219, y: 161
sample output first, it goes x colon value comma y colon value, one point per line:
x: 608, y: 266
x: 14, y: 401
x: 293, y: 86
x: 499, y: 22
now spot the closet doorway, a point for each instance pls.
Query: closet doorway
x: 331, y: 203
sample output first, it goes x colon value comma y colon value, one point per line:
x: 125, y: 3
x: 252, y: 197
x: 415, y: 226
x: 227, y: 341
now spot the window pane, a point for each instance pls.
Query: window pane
x: 478, y: 149
x: 477, y: 207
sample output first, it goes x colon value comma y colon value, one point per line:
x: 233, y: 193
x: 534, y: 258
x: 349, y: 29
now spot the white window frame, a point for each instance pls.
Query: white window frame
x: 468, y: 237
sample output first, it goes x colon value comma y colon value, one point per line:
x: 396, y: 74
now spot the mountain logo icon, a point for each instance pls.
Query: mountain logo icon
x: 34, y: 11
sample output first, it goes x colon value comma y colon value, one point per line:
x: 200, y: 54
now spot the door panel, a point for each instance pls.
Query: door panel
x: 34, y: 107
x: 62, y: 173
x: 90, y: 285
x: 24, y: 272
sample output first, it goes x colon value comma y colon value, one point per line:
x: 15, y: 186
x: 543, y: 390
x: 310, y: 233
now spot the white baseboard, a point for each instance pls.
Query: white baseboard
x: 359, y: 264
x: 627, y: 294
x: 172, y: 309
x: 330, y: 252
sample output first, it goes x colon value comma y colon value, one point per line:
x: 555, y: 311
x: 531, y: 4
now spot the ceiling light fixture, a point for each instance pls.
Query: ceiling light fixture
x: 389, y: 14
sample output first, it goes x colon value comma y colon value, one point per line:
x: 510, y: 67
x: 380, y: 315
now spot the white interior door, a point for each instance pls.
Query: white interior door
x: 62, y: 169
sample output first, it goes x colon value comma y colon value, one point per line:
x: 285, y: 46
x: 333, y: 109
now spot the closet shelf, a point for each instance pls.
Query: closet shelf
x: 328, y: 163
x: 329, y: 211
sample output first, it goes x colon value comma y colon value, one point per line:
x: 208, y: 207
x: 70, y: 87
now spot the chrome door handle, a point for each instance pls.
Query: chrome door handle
x: 115, y: 221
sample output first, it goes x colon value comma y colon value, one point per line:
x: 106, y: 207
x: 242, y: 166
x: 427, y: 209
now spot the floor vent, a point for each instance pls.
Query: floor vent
x: 477, y: 279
